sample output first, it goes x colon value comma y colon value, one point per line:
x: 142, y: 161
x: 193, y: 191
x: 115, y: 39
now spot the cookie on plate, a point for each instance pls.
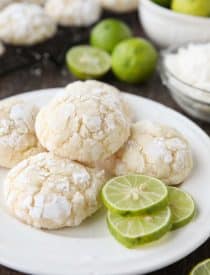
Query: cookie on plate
x: 25, y: 24
x: 154, y: 150
x: 49, y: 192
x: 87, y: 122
x: 17, y: 134
x: 75, y: 13
x: 120, y: 6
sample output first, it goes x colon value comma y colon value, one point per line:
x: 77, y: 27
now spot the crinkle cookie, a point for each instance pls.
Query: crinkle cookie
x: 154, y: 150
x: 25, y: 24
x: 73, y: 12
x: 119, y: 5
x: 17, y: 134
x: 49, y: 192
x: 87, y: 123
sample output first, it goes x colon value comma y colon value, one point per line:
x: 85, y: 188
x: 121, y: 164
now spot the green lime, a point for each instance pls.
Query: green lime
x: 203, y: 268
x: 182, y: 207
x: 138, y: 230
x: 134, y: 60
x: 87, y: 62
x: 195, y: 7
x: 164, y: 3
x: 108, y: 33
x: 134, y: 194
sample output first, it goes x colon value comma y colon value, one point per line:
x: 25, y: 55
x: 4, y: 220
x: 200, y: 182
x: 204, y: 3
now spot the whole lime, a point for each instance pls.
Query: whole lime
x: 134, y: 60
x: 164, y: 3
x: 192, y: 7
x: 108, y: 33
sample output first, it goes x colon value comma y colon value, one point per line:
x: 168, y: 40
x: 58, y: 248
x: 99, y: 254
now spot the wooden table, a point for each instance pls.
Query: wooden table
x: 47, y: 75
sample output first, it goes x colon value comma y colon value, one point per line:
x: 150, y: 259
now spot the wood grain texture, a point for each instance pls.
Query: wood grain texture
x: 47, y: 75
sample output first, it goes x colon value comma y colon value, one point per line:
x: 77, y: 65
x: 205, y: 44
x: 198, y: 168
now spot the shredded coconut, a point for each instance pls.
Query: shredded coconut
x: 191, y: 64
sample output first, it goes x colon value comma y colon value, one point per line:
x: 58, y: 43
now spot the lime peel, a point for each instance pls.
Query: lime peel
x: 87, y: 62
x: 182, y: 207
x: 201, y: 268
x: 134, y: 194
x: 163, y: 217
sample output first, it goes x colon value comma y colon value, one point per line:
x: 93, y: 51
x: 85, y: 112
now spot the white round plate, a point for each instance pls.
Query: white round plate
x: 89, y: 249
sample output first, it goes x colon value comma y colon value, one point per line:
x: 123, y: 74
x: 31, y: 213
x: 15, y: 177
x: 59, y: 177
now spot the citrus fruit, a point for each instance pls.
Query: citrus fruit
x: 138, y: 230
x: 203, y: 268
x: 164, y: 3
x: 108, y: 33
x: 195, y: 7
x: 134, y: 194
x: 182, y: 207
x: 87, y: 62
x: 134, y: 60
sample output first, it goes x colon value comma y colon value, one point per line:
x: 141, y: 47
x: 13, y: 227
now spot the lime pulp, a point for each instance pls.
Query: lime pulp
x: 139, y: 230
x: 182, y: 207
x: 134, y: 194
x: 203, y: 268
x: 87, y: 62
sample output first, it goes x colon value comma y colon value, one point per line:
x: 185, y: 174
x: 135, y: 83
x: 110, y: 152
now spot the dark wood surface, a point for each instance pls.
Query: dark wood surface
x: 48, y: 74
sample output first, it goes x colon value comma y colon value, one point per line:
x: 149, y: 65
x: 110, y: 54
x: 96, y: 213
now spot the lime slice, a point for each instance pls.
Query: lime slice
x: 134, y: 194
x: 182, y: 207
x: 87, y: 62
x: 203, y: 268
x: 138, y: 230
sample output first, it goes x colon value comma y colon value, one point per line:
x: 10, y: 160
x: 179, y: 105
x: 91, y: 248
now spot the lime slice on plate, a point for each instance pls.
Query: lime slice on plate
x: 138, y: 230
x: 182, y: 207
x: 87, y: 62
x: 134, y: 194
x: 203, y: 268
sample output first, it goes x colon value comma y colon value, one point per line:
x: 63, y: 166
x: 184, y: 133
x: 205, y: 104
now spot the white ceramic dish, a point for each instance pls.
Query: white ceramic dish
x: 90, y: 249
x: 167, y: 28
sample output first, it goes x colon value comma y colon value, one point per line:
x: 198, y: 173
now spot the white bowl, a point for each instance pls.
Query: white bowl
x: 167, y: 28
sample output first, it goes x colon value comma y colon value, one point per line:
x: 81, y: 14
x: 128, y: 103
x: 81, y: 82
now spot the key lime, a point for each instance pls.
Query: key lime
x: 138, y: 230
x: 195, y: 7
x: 164, y: 3
x: 203, y: 268
x: 108, y: 33
x: 134, y: 194
x: 182, y: 207
x: 87, y: 62
x: 134, y: 60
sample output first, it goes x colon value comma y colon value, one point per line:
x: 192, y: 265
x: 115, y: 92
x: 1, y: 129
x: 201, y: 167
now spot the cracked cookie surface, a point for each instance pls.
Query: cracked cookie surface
x: 73, y: 12
x: 25, y: 24
x: 49, y: 192
x: 87, y: 122
x: 17, y: 134
x: 154, y: 150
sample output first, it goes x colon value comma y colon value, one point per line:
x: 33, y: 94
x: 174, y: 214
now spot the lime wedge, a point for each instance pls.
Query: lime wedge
x: 138, y: 230
x: 134, y: 194
x: 182, y: 207
x: 203, y: 268
x: 87, y: 62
